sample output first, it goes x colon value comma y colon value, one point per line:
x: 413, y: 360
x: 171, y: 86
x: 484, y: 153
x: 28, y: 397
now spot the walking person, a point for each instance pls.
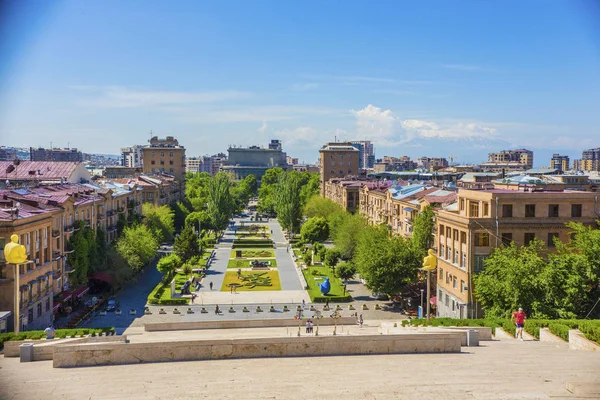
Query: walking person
x: 360, y: 321
x: 210, y: 284
x: 303, y: 303
x: 307, y: 327
x: 519, y: 318
x: 217, y: 311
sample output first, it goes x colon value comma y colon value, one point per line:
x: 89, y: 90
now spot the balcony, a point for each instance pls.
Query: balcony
x: 100, y: 216
x: 56, y: 255
x: 110, y: 213
x: 111, y: 228
x: 120, y: 210
x: 69, y: 228
x: 55, y: 233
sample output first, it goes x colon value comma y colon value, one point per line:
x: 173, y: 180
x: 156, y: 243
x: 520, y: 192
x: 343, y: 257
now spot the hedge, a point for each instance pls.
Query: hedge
x: 58, y: 333
x: 267, y: 245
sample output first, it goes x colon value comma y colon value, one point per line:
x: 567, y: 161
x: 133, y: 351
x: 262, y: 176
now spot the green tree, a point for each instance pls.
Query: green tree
x: 310, y: 187
x: 220, y: 202
x: 345, y: 270
x: 266, y: 192
x: 167, y: 266
x: 332, y: 256
x: 314, y: 230
x: 181, y: 210
x: 422, y: 236
x: 187, y: 269
x: 387, y: 264
x: 511, y: 279
x: 187, y: 244
x: 102, y: 249
x: 196, y: 190
x: 79, y: 260
x: 318, y: 206
x: 160, y: 220
x: 137, y: 246
x: 287, y: 201
x: 121, y: 223
x: 347, y: 233
x: 243, y: 190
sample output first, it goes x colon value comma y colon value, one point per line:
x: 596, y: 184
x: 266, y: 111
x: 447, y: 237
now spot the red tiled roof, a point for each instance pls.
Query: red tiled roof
x: 37, y: 170
x: 449, y: 198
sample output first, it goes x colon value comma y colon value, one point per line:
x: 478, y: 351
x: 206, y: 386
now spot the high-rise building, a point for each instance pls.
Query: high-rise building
x: 292, y: 160
x: 55, y: 154
x: 254, y: 160
x: 366, y: 153
x: 7, y: 154
x: 590, y: 160
x: 165, y: 156
x: 338, y: 160
x: 520, y: 159
x: 559, y: 162
x: 131, y: 156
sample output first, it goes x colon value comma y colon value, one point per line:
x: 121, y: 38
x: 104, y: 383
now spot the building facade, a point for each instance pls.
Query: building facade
x: 559, y: 162
x: 485, y: 219
x: 338, y: 160
x: 509, y: 160
x: 54, y: 154
x: 255, y: 160
x: 590, y: 160
x: 366, y: 153
x: 131, y: 157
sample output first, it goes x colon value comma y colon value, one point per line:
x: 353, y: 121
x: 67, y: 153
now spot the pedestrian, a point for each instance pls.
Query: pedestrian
x: 311, y: 326
x: 231, y: 289
x: 217, y: 311
x: 193, y: 298
x: 327, y: 304
x: 303, y: 303
x: 210, y: 284
x: 360, y: 321
x: 519, y: 317
x: 49, y: 331
x: 307, y: 327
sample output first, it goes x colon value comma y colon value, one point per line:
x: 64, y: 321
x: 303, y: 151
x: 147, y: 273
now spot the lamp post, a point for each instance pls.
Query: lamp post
x: 422, y: 308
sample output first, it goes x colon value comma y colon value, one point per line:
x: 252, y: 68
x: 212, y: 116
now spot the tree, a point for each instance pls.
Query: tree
x: 187, y: 269
x: 220, y: 203
x: 318, y: 206
x: 307, y: 258
x: 196, y: 190
x: 187, y: 244
x: 332, y: 256
x: 422, y: 237
x: 167, y: 266
x: 387, y: 264
x: 314, y: 230
x: 137, y: 246
x: 346, y: 234
x: 121, y: 223
x: 78, y: 260
x: 102, y: 250
x: 200, y: 220
x: 181, y: 210
x: 243, y: 190
x: 310, y: 186
x: 266, y: 199
x: 345, y: 270
x: 160, y: 220
x: 511, y: 279
x: 287, y: 201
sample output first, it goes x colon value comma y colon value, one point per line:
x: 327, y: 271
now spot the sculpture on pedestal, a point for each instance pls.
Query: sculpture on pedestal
x: 325, y: 287
x: 15, y: 253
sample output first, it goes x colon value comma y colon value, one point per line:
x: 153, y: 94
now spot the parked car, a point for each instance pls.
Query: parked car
x: 112, y: 304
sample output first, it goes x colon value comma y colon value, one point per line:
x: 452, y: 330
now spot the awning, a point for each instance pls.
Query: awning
x: 408, y: 209
x: 81, y: 291
x: 67, y: 296
x: 102, y: 276
x: 433, y: 300
x: 56, y: 307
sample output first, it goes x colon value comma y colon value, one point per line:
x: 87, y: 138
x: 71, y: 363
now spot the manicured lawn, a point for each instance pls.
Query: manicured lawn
x: 260, y: 253
x: 162, y: 292
x: 231, y: 277
x: 246, y: 263
x: 337, y: 287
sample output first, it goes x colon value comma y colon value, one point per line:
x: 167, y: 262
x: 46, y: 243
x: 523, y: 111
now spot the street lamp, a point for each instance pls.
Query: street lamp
x: 422, y: 308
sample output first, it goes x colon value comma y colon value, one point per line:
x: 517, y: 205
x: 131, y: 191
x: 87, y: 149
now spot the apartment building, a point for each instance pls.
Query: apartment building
x: 131, y: 157
x: 509, y: 160
x: 366, y: 153
x: 254, y: 160
x: 193, y: 165
x: 590, y: 160
x: 337, y: 160
x: 481, y: 220
x: 344, y: 192
x: 559, y: 162
x: 157, y: 189
x: 18, y: 173
x: 27, y: 289
x: 432, y: 164
x: 55, y: 154
x: 165, y: 156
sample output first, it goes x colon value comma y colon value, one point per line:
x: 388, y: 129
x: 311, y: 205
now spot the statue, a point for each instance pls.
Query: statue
x: 15, y: 253
x: 430, y: 261
x: 325, y: 286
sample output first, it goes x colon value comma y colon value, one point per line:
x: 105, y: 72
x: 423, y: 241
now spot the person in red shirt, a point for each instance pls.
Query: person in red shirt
x: 519, y: 317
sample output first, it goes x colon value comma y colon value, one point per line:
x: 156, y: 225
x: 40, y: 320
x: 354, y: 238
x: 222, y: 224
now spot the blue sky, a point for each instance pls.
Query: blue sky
x: 417, y: 78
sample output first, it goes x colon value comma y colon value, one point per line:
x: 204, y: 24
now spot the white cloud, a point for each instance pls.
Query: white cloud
x: 462, y: 67
x: 377, y: 125
x: 302, y: 136
x: 124, y: 97
x: 303, y: 87
x: 430, y: 130
x: 263, y: 128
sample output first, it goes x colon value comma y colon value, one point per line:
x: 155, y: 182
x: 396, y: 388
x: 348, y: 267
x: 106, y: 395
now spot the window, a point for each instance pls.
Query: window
x: 448, y: 253
x: 333, y: 163
x: 482, y: 239
x: 39, y: 309
x: 454, y: 281
x: 171, y: 154
x: 152, y: 162
x: 442, y: 251
x: 47, y: 304
x: 463, y: 237
x: 462, y: 204
x: 441, y: 273
x: 507, y: 211
x: 171, y: 170
x: 553, y: 210
x: 474, y: 210
x: 462, y: 286
x: 453, y: 303
x: 486, y: 209
x: 507, y: 238
x: 448, y: 232
x: 464, y: 260
x: 162, y: 162
x: 30, y: 316
x: 551, y: 237
x: 576, y: 210
x: 530, y: 210
x: 152, y: 154
x: 479, y: 263
x: 162, y: 153
x: 455, y: 232
x: 528, y: 238
x: 171, y: 162
x: 447, y: 301
x: 456, y: 257
x: 440, y: 294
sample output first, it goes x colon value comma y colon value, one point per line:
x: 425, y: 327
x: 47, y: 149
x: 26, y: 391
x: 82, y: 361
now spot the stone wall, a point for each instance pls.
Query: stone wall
x: 134, y: 353
x: 577, y: 341
x: 261, y: 323
x: 547, y: 336
x: 43, y: 348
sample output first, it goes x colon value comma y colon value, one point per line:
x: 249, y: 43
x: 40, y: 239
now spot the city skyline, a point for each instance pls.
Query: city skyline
x: 415, y: 80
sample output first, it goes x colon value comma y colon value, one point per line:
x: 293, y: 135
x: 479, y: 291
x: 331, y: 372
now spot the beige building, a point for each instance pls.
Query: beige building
x: 338, y: 160
x: 482, y: 220
x: 164, y: 156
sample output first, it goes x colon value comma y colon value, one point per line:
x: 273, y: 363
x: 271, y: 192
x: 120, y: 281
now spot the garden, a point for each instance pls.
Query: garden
x: 261, y: 253
x: 315, y: 276
x: 162, y: 292
x: 251, y: 281
x: 59, y: 334
x: 271, y: 263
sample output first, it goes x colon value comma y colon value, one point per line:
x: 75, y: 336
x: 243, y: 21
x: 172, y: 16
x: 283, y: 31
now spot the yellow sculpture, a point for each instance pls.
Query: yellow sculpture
x: 15, y: 253
x: 430, y: 261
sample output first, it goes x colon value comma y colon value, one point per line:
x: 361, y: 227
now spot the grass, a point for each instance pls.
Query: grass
x: 231, y: 277
x: 161, y: 294
x: 264, y: 253
x: 337, y: 287
x: 58, y: 333
x: 246, y: 263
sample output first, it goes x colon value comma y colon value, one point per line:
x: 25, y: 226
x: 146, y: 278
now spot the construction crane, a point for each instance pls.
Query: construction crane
x: 452, y: 157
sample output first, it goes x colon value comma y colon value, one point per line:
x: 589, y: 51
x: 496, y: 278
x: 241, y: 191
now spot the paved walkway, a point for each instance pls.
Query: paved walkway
x: 497, y: 370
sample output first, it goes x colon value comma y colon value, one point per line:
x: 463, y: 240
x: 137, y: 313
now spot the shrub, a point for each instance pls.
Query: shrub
x: 560, y: 330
